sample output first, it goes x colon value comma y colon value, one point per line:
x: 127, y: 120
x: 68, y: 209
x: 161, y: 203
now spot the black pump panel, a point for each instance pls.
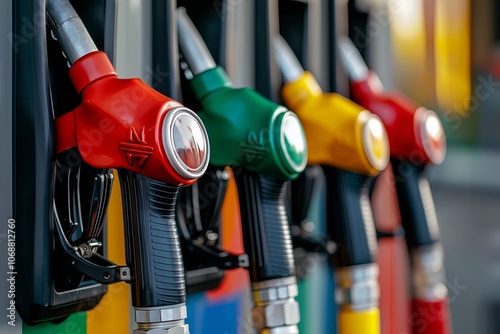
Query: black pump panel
x: 42, y: 91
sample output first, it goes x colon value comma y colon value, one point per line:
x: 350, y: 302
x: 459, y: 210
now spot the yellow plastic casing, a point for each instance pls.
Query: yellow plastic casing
x: 356, y: 322
x: 334, y: 127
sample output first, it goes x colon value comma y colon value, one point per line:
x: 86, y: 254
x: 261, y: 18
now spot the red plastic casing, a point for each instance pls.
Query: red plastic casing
x: 430, y: 317
x: 398, y: 114
x: 119, y: 122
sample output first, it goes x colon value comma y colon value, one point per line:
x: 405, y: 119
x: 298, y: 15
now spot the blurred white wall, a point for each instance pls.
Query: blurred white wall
x: 133, y: 39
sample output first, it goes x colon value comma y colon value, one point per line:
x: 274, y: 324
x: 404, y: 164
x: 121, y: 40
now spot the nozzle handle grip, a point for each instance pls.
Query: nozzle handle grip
x: 153, y: 251
x: 350, y: 217
x: 418, y: 214
x: 431, y: 317
x: 266, y: 232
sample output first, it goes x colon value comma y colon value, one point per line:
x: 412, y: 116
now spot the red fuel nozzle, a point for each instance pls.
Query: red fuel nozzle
x: 123, y: 123
x: 415, y: 133
x: 416, y: 137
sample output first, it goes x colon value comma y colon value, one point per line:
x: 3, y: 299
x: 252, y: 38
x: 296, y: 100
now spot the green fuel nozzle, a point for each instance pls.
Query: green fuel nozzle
x: 245, y: 129
x: 265, y: 145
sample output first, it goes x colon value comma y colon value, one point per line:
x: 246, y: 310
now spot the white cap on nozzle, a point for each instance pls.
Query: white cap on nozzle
x: 288, y: 62
x: 192, y: 46
x: 352, y: 60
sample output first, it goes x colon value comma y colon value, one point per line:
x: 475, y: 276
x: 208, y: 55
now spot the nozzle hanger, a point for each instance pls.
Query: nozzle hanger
x: 287, y: 61
x: 352, y: 59
x: 192, y: 45
x: 69, y: 30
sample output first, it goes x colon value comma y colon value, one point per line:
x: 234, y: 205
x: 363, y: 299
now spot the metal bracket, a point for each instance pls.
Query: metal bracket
x: 96, y: 267
x: 219, y: 258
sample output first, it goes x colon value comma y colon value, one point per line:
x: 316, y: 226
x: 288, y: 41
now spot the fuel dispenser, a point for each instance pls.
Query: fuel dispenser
x: 352, y: 146
x: 417, y: 139
x: 264, y: 144
x: 156, y: 144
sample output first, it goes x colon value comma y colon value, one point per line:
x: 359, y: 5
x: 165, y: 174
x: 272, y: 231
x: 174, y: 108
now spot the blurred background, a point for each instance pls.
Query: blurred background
x: 445, y: 55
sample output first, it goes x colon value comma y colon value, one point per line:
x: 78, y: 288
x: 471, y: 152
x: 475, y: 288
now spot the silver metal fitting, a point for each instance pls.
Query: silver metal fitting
x: 69, y: 29
x: 192, y: 46
x: 276, y: 311
x: 188, y: 153
x: 161, y: 320
x: 358, y: 287
x: 288, y: 62
x: 89, y: 248
x: 184, y: 329
x: 281, y: 330
x: 352, y: 59
x: 428, y: 273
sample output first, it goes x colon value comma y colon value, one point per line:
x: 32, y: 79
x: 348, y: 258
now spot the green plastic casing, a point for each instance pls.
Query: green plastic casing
x: 246, y: 130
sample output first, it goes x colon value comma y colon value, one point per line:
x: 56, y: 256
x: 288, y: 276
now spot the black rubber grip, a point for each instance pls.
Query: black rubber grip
x: 152, y: 242
x: 266, y: 231
x: 416, y: 205
x: 349, y: 217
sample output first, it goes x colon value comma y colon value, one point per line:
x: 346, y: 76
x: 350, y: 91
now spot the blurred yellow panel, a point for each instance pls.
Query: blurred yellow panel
x: 412, y: 71
x: 112, y: 314
x: 452, y: 55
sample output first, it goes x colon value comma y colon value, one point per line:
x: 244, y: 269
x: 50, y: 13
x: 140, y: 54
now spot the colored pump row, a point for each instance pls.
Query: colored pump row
x: 158, y: 145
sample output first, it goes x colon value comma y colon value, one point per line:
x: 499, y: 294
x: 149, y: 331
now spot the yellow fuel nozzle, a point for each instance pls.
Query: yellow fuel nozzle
x: 339, y: 132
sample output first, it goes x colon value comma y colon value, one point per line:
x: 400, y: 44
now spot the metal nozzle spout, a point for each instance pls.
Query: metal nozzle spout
x: 288, y: 62
x: 69, y: 30
x: 192, y: 45
x: 352, y: 60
